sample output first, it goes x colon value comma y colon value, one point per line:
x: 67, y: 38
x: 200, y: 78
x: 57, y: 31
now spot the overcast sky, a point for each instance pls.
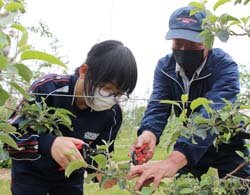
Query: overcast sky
x: 140, y: 24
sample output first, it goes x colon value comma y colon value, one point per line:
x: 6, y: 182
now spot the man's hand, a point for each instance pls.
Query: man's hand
x: 63, y: 150
x: 149, y: 139
x: 155, y: 172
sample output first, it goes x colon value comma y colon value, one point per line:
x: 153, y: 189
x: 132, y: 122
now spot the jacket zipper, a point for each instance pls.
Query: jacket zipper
x: 190, y: 83
x: 208, y: 75
x: 174, y: 80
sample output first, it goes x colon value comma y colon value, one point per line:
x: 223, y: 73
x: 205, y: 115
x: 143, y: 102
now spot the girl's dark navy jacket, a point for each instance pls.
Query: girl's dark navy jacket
x: 90, y: 126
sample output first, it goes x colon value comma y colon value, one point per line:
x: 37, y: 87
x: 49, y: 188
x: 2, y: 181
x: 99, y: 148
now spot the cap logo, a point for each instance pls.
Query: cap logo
x: 186, y: 20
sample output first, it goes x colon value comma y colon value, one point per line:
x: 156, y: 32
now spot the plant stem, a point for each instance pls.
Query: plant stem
x: 13, y: 109
x: 236, y: 169
x: 96, y: 169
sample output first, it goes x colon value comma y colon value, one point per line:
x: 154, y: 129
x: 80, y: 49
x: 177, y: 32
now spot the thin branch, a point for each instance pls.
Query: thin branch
x: 96, y: 169
x: 236, y: 170
x: 241, y: 179
x: 13, y: 109
x: 237, y: 34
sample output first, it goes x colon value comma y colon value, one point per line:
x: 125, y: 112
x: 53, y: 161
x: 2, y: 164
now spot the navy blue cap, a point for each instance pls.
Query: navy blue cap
x: 184, y: 26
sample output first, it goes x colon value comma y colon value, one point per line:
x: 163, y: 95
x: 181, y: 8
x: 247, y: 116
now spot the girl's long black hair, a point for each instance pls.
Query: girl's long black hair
x: 110, y: 62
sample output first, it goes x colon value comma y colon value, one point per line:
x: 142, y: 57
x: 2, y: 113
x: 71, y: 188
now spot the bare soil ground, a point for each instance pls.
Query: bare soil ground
x: 4, y: 173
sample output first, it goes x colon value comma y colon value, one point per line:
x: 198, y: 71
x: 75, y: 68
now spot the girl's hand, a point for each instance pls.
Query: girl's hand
x: 64, y: 150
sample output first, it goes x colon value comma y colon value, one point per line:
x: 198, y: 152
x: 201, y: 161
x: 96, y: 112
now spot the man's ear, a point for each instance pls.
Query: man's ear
x: 83, y: 70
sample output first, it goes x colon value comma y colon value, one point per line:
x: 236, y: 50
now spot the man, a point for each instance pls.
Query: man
x: 197, y: 71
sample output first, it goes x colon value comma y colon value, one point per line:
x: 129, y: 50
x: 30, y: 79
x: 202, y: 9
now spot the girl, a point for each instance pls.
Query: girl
x: 92, y: 94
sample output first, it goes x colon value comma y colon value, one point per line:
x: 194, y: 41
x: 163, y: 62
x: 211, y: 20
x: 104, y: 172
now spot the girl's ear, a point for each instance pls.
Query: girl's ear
x: 206, y: 51
x: 83, y: 70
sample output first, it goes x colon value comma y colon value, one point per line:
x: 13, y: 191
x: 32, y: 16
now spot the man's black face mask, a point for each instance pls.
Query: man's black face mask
x: 189, y: 60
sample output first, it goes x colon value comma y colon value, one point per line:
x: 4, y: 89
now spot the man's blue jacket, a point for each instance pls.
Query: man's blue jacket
x: 218, y: 79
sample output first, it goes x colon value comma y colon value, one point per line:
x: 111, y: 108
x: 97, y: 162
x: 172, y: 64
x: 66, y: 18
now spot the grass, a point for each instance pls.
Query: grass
x: 5, y: 187
x: 124, y: 140
x: 91, y: 189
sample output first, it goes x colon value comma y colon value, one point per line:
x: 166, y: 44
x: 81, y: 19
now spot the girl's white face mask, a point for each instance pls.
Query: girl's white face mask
x: 101, y: 100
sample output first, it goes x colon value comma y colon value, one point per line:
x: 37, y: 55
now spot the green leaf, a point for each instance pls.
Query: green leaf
x: 109, y: 143
x: 3, y: 40
x: 183, y: 115
x: 214, y: 130
x: 244, y: 106
x: 101, y: 160
x: 1, y: 3
x: 223, y: 35
x: 23, y: 125
x: 74, y: 165
x: 147, y: 190
x: 124, y: 166
x: 184, y: 98
x: 226, y: 137
x: 202, y: 133
x: 3, y: 62
x: 24, y: 72
x: 186, y: 191
x: 240, y: 153
x: 183, y: 183
x: 246, y: 2
x: 5, y: 138
x: 20, y: 89
x: 24, y: 47
x: 170, y: 102
x: 193, y: 140
x: 198, y: 120
x: 4, y: 96
x: 101, y: 147
x: 219, y: 3
x: 237, y: 1
x: 206, y: 180
x: 89, y: 177
x: 208, y: 38
x: 198, y: 102
x: 224, y: 116
x: 174, y: 136
x: 208, y: 108
x: 38, y: 55
x: 18, y: 27
x: 194, y: 11
x: 245, y: 20
x: 63, y: 114
x: 212, y: 18
x: 24, y: 37
x: 7, y: 128
x: 228, y: 105
x: 42, y: 129
x: 247, y: 145
x: 225, y: 18
x: 197, y: 5
x: 13, y: 6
